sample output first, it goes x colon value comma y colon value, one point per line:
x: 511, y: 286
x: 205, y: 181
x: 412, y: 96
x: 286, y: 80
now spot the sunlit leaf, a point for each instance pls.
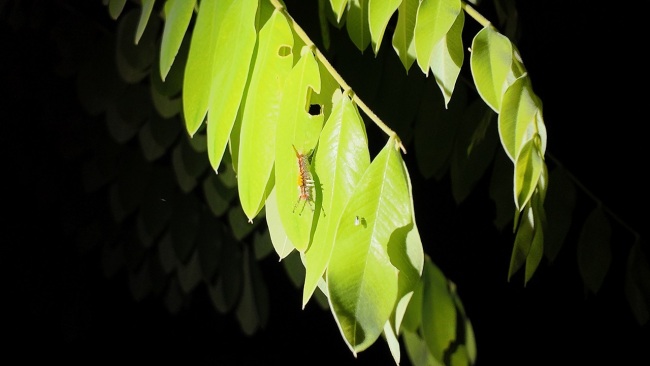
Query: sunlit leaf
x: 260, y: 117
x: 232, y: 60
x: 362, y: 282
x: 447, y: 58
x: 201, y: 66
x: 281, y: 243
x: 357, y: 23
x: 145, y: 13
x: 434, y: 19
x: 297, y: 129
x: 379, y: 13
x: 491, y: 60
x: 403, y: 36
x: 528, y: 168
x: 176, y: 23
x: 338, y: 7
x: 342, y: 157
x: 439, y: 319
x: 518, y: 120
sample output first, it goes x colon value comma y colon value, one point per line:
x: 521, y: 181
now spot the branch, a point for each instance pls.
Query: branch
x: 346, y: 88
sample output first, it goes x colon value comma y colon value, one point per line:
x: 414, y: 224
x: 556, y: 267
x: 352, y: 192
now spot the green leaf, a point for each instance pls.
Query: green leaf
x: 338, y: 7
x: 417, y: 350
x: 362, y: 282
x: 357, y: 23
x: 528, y: 169
x: 393, y: 342
x: 536, y: 251
x: 520, y: 118
x: 115, y: 8
x: 438, y: 312
x: 176, y: 23
x: 523, y: 240
x: 433, y: 20
x: 490, y: 61
x: 281, y: 243
x: 403, y: 36
x: 145, y: 13
x: 201, y: 63
x: 234, y: 48
x: 594, y: 249
x: 379, y: 13
x: 297, y: 129
x: 260, y: 117
x: 447, y: 58
x: 340, y: 161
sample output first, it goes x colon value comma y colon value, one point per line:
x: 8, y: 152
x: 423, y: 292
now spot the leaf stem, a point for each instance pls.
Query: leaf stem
x: 346, y: 88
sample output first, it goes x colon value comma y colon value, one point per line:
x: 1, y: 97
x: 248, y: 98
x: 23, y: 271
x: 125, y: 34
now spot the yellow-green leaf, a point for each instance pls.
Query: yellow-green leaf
x: 297, y: 129
x: 434, y: 19
x: 491, y: 61
x: 447, y: 58
x: 403, y: 36
x: 338, y: 7
x: 439, y: 319
x: 520, y: 117
x: 273, y: 62
x: 145, y: 13
x: 200, y: 67
x: 233, y: 51
x: 281, y: 243
x: 528, y: 168
x: 379, y: 13
x: 362, y: 281
x: 176, y: 23
x: 357, y: 23
x: 340, y: 161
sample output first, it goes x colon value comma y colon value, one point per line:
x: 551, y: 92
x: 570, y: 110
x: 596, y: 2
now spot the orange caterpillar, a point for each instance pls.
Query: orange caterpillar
x: 305, y: 180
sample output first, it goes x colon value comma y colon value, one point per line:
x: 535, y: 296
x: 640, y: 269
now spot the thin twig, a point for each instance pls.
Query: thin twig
x: 346, y: 88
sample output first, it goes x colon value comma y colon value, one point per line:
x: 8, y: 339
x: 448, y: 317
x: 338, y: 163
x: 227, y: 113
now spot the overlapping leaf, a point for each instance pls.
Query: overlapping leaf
x: 341, y: 159
x: 379, y: 13
x: 362, y: 281
x: 297, y: 129
x: 176, y: 23
x: 231, y: 61
x: 434, y: 19
x: 201, y: 69
x: 273, y: 62
x: 403, y: 35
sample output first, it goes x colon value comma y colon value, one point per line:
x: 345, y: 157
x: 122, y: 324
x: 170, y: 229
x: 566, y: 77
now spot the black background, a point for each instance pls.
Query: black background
x: 585, y: 66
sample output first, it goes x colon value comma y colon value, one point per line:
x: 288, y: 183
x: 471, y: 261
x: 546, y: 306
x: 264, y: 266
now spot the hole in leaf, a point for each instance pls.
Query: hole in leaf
x: 284, y: 51
x: 315, y: 109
